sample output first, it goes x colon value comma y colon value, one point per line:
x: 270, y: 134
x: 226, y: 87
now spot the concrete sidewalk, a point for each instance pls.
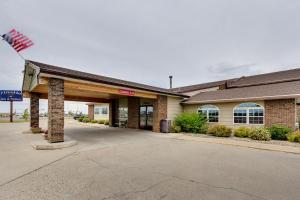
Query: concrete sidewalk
x: 233, y: 142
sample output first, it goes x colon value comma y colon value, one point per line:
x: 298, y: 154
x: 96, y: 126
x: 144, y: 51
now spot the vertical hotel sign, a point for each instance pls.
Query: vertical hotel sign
x: 126, y: 92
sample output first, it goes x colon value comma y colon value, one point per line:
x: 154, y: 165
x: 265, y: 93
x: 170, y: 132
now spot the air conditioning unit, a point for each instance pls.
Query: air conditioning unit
x: 165, y: 126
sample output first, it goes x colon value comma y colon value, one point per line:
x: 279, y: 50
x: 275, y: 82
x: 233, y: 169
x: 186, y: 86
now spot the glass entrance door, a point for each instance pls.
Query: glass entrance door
x: 146, y: 117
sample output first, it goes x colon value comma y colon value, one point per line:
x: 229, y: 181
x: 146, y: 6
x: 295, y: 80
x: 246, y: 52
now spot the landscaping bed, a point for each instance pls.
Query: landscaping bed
x: 196, y: 125
x: 276, y: 142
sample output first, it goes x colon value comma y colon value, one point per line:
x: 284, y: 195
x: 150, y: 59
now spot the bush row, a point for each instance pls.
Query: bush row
x: 88, y: 120
x: 197, y: 123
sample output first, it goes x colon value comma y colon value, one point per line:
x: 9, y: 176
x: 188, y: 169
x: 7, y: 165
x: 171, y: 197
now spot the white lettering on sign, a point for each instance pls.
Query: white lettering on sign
x: 126, y: 92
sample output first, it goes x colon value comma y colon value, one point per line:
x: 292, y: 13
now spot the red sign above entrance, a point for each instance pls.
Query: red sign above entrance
x: 126, y: 92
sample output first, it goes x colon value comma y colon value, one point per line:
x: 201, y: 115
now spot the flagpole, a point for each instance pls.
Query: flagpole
x: 14, y: 49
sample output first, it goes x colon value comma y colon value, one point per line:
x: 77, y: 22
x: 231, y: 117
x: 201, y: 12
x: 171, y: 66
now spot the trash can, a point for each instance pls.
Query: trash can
x: 165, y: 125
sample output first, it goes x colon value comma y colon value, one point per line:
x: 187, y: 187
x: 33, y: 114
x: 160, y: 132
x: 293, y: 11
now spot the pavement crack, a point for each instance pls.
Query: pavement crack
x: 37, y: 169
x: 219, y: 187
x: 120, y: 195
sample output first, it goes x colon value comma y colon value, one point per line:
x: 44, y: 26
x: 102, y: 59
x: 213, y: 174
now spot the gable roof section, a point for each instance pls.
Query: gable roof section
x: 201, y: 86
x: 259, y: 92
x: 59, y: 71
x: 268, y: 78
x: 244, y: 81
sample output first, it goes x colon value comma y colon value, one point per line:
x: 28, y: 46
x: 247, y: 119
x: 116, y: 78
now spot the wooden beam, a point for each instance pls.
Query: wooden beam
x: 101, y: 89
x: 81, y: 99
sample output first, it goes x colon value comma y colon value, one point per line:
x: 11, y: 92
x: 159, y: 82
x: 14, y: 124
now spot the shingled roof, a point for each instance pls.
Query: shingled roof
x: 268, y: 78
x: 290, y: 89
x: 59, y: 71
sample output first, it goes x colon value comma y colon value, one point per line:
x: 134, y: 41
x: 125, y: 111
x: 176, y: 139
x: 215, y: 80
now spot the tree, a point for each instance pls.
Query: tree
x: 26, y: 114
x: 70, y: 113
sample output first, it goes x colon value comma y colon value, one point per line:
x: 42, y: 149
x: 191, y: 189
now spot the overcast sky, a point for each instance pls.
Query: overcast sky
x: 146, y: 41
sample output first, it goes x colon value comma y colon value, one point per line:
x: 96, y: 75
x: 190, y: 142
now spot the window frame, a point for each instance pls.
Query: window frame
x: 247, y: 113
x: 207, y: 109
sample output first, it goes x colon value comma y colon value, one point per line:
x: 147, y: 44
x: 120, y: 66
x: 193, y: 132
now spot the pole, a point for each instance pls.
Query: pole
x: 11, y: 111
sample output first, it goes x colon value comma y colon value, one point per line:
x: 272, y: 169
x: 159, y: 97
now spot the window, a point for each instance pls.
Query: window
x: 210, y: 112
x: 101, y: 111
x: 248, y: 113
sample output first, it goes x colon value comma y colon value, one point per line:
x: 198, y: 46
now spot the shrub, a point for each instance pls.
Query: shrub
x: 101, y: 121
x: 175, y: 129
x: 191, y: 122
x: 80, y: 119
x: 86, y: 120
x: 94, y: 121
x: 242, y: 132
x: 279, y: 132
x: 294, y: 137
x: 260, y: 134
x: 106, y: 122
x: 220, y: 131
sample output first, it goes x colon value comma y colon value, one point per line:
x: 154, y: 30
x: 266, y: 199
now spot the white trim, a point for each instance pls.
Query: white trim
x: 245, y: 99
x: 247, y: 113
x: 207, y: 114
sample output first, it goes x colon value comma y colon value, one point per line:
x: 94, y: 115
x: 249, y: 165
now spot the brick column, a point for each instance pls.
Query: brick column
x: 133, y: 112
x: 91, y: 111
x: 34, y: 113
x: 159, y: 111
x: 281, y: 111
x: 56, y: 110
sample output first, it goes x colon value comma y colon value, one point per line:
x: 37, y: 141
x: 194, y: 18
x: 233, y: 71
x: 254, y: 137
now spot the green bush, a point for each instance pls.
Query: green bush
x: 294, y: 137
x: 101, y: 121
x: 260, y: 134
x: 279, y: 132
x: 242, y: 132
x: 219, y: 131
x: 94, y: 121
x: 86, y: 120
x: 106, y: 122
x: 175, y: 129
x: 191, y: 123
x: 80, y: 119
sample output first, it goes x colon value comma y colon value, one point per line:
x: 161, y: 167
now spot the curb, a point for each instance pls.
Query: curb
x: 267, y: 147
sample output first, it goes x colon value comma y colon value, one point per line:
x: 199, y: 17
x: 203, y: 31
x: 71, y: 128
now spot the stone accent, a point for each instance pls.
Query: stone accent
x: 91, y: 112
x: 159, y: 111
x: 281, y: 111
x: 34, y: 113
x: 56, y: 110
x: 133, y: 112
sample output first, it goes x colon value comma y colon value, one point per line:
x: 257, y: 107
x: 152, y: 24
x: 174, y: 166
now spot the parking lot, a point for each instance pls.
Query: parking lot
x: 113, y: 163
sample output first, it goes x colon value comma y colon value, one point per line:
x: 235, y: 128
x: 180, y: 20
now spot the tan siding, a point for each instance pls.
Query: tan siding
x: 226, y: 112
x: 174, y: 107
x: 101, y: 116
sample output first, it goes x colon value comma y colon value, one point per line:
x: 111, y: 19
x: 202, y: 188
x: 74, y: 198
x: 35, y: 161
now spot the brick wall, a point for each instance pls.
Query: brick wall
x: 133, y: 112
x: 280, y: 111
x: 91, y: 111
x: 56, y: 110
x: 159, y: 112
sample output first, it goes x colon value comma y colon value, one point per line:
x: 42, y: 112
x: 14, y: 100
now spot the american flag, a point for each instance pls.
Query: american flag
x: 17, y: 40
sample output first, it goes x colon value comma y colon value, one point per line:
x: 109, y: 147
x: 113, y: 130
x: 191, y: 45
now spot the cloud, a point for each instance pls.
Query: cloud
x: 146, y: 41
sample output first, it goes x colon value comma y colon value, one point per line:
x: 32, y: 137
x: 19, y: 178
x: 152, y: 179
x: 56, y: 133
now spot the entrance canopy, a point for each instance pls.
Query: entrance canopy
x: 43, y: 81
x: 81, y: 86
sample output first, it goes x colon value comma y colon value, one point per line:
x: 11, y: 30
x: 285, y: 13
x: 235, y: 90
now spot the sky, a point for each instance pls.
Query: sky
x: 196, y: 41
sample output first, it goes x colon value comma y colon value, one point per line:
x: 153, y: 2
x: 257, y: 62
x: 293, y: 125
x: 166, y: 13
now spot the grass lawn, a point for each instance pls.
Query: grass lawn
x: 15, y: 121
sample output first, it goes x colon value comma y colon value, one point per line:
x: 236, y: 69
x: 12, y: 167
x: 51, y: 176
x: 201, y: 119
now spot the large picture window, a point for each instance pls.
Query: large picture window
x: 248, y: 113
x: 211, y: 112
